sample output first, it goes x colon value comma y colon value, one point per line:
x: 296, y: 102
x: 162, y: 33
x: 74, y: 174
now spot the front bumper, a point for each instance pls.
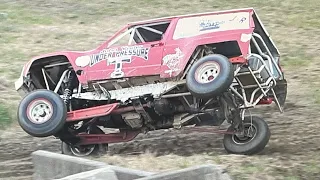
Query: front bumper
x: 21, y: 87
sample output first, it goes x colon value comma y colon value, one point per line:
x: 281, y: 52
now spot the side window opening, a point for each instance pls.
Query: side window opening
x: 141, y: 34
x: 154, y: 32
x: 125, y: 38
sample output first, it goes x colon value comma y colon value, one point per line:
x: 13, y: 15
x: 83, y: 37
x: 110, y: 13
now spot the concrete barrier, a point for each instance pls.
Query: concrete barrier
x: 48, y: 165
x: 97, y: 174
x: 203, y: 172
x: 129, y: 174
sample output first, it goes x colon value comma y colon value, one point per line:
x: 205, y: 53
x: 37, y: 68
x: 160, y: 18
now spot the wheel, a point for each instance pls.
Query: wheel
x: 256, y: 137
x: 210, y: 76
x: 85, y: 150
x: 42, y: 113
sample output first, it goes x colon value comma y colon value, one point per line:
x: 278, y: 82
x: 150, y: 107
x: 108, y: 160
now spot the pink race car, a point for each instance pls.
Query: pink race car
x: 173, y: 72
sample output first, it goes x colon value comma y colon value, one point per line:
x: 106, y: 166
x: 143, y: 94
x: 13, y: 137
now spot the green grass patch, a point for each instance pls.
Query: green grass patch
x: 297, y: 59
x: 17, y: 14
x: 311, y: 167
x: 5, y: 117
x: 6, y: 38
x: 289, y: 177
x: 251, y: 168
x: 316, y: 96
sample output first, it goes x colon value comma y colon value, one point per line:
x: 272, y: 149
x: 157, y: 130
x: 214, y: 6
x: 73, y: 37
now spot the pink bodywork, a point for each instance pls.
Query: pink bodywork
x: 156, y: 63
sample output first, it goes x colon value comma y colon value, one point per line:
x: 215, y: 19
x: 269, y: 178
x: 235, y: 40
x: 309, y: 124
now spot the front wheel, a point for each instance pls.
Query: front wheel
x: 42, y: 113
x: 256, y: 137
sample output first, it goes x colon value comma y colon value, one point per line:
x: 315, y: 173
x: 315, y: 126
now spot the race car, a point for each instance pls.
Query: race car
x: 194, y: 71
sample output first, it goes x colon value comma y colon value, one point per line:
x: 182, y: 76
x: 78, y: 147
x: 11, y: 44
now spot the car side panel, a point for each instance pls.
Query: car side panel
x: 125, y: 61
x: 178, y: 53
x: 179, y: 49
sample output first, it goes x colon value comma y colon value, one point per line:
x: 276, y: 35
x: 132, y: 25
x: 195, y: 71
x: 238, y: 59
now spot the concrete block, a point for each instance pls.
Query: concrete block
x: 97, y: 174
x: 48, y: 165
x: 129, y: 174
x: 204, y: 172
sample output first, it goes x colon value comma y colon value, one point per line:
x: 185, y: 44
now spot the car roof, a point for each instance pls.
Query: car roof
x: 189, y: 15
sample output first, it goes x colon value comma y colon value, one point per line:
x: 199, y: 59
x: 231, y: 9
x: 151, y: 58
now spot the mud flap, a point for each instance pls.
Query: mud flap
x: 281, y: 91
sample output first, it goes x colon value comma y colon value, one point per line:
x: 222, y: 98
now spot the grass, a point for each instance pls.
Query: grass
x: 5, y: 118
x: 295, y: 60
x: 30, y: 28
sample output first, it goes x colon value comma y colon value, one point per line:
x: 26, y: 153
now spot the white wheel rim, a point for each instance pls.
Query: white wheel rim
x: 79, y: 152
x: 234, y: 138
x: 39, y: 111
x: 207, y: 72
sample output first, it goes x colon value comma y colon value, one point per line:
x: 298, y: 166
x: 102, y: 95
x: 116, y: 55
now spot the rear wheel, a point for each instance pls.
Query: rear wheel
x: 42, y: 113
x: 85, y: 150
x: 210, y: 76
x: 256, y: 137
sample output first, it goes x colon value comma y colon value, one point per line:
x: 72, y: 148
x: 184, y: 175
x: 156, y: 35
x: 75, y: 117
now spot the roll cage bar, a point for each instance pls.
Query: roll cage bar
x: 142, y: 33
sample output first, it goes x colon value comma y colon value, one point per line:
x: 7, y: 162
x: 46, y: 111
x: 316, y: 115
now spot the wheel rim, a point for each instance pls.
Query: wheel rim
x: 82, y: 150
x: 250, y: 132
x: 39, y: 111
x: 207, y: 72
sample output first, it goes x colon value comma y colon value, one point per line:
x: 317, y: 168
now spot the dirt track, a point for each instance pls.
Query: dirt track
x: 293, y: 143
x: 16, y: 146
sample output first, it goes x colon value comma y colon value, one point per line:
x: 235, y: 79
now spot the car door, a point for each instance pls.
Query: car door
x: 141, y: 59
x: 138, y: 55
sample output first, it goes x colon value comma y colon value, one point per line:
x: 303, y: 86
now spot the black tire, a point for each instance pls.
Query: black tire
x: 254, y: 145
x: 90, y: 150
x: 218, y: 84
x: 57, y: 113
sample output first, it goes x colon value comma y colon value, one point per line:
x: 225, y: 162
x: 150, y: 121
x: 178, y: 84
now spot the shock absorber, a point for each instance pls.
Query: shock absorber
x: 68, y: 90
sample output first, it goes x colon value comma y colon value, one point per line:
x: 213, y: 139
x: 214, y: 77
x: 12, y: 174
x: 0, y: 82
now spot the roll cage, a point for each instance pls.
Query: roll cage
x: 141, y: 34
